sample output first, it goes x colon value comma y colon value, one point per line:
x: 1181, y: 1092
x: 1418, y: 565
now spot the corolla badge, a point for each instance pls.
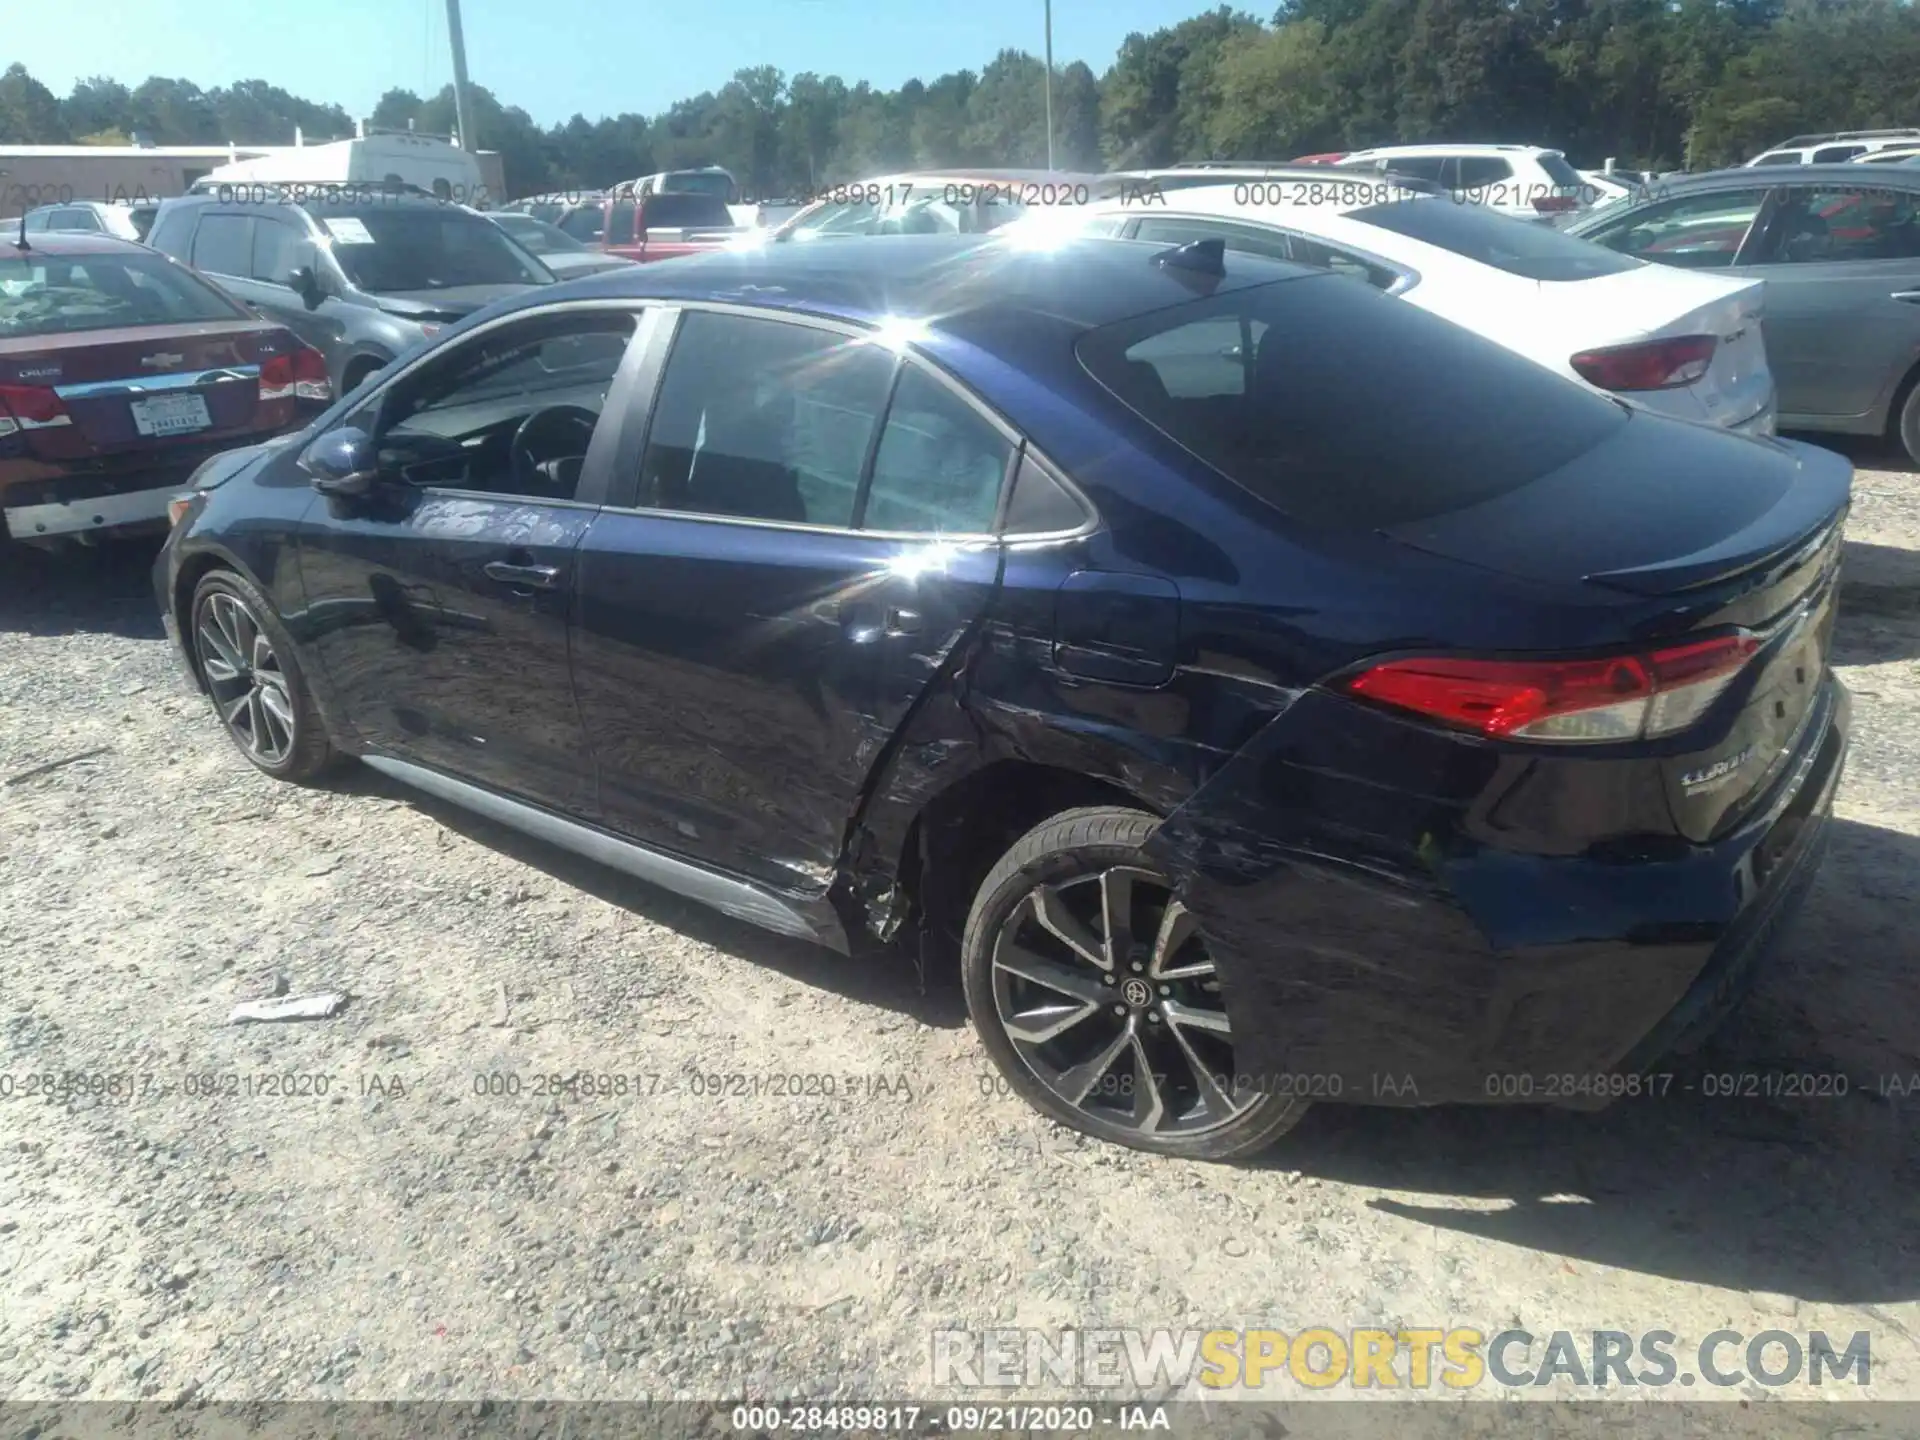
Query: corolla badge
x: 1707, y: 777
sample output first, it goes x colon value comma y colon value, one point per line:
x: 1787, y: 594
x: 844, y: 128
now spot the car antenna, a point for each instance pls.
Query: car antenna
x: 1201, y: 257
x: 20, y: 243
x: 1197, y: 258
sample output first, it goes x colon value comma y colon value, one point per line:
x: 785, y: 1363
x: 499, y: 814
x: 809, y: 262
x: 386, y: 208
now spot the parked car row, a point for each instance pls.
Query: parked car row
x: 1253, y: 681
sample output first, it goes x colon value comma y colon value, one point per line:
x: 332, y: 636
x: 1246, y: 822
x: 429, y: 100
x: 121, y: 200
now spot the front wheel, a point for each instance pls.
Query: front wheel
x: 1907, y: 424
x: 254, y: 680
x: 1094, y: 993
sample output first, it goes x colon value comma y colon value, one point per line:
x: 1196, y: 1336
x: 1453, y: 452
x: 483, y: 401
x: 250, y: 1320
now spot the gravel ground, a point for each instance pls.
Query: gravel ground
x: 405, y: 1235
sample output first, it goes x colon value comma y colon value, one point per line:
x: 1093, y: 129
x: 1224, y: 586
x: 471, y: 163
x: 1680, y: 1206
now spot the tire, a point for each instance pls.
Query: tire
x: 253, y: 677
x: 1059, y: 879
x: 358, y: 370
x: 1906, y: 423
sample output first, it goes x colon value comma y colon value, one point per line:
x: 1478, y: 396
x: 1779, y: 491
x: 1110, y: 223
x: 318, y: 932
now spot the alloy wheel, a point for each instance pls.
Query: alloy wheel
x: 1106, y: 990
x: 248, y: 686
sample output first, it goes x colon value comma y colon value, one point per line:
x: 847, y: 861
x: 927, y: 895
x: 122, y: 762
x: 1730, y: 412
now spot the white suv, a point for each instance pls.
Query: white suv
x: 1520, y: 180
x: 1835, y: 147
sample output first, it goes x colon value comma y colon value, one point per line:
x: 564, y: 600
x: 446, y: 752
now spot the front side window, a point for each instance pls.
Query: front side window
x: 77, y: 217
x: 510, y: 412
x: 764, y: 420
x: 52, y: 296
x: 1694, y: 232
x: 388, y: 249
x: 278, y: 249
x: 941, y: 463
x: 1829, y: 224
x: 223, y: 245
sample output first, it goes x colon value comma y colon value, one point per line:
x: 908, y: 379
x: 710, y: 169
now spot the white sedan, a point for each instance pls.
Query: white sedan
x: 1675, y: 341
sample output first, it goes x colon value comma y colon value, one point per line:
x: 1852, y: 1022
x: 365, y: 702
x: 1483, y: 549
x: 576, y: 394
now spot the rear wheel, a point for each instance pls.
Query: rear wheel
x: 254, y: 680
x: 1095, y: 994
x: 1907, y: 422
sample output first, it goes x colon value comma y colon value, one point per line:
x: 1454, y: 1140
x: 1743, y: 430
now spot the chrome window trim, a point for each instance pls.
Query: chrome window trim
x: 151, y: 384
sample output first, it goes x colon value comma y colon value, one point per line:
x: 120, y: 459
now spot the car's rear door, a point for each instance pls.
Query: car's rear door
x: 804, y: 539
x: 439, y: 603
x: 1842, y: 266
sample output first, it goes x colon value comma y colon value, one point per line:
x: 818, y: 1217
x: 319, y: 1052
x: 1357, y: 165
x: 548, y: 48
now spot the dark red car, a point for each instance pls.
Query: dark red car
x: 120, y: 371
x: 652, y: 227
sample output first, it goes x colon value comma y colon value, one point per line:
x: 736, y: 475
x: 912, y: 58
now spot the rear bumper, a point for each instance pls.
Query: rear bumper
x: 114, y: 511
x: 1478, y: 974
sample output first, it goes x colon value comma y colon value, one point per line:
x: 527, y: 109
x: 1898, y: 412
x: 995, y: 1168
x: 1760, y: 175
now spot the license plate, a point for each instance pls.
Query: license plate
x: 171, y: 415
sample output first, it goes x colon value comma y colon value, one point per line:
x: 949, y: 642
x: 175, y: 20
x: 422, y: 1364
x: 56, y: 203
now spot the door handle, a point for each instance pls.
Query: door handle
x: 537, y: 577
x: 1907, y: 297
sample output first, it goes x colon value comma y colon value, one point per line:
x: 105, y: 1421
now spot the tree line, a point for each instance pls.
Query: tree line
x: 1656, y: 84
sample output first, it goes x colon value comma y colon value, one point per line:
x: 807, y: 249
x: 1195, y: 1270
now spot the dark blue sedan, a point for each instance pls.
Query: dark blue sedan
x: 1266, y: 691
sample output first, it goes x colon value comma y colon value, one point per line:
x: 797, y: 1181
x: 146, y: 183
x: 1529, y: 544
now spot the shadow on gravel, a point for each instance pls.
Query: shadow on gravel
x: 1878, y: 584
x: 887, y: 979
x: 1812, y: 1198
x: 106, y: 589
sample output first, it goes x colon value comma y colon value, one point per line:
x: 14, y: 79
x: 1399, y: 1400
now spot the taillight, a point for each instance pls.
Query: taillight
x: 31, y: 407
x: 1649, y: 364
x: 310, y: 381
x: 301, y: 374
x: 1623, y: 697
x: 1554, y: 204
x: 276, y: 378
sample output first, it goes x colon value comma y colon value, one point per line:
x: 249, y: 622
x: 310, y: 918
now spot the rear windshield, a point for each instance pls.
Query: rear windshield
x: 698, y: 182
x: 1342, y: 406
x: 678, y: 211
x: 1519, y: 247
x: 56, y: 295
x: 1559, y: 171
x: 386, y: 249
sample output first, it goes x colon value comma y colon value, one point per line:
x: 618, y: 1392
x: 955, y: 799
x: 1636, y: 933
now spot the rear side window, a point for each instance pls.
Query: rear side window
x: 1295, y: 416
x: 223, y: 245
x: 940, y: 466
x: 1534, y: 252
x: 277, y: 249
x: 622, y: 222
x: 1421, y: 167
x: 1780, y: 157
x: 1479, y: 170
x: 1825, y: 224
x: 1835, y: 154
x: 585, y: 223
x: 51, y: 296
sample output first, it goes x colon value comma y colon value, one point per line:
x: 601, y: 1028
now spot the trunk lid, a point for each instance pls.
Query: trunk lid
x: 1732, y: 532
x: 160, y: 386
x: 1658, y: 302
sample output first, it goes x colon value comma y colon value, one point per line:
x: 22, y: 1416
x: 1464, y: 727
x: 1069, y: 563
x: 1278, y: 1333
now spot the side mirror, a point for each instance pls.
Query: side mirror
x: 306, y: 284
x: 342, y: 462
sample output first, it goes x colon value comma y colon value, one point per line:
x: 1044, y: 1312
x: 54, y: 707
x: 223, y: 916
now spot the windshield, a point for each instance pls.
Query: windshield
x: 51, y: 295
x: 1559, y: 171
x: 538, y: 238
x: 686, y: 210
x: 1241, y: 381
x: 1534, y: 252
x: 385, y: 249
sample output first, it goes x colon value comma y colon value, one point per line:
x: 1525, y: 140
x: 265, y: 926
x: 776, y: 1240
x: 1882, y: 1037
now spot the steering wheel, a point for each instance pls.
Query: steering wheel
x: 545, y: 441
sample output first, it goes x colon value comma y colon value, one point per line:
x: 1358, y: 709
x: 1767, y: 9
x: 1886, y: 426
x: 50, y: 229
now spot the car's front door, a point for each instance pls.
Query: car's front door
x: 1842, y: 266
x: 439, y: 602
x: 805, y: 538
x: 281, y: 245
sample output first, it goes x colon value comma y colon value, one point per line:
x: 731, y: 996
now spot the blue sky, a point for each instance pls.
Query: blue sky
x: 555, y: 57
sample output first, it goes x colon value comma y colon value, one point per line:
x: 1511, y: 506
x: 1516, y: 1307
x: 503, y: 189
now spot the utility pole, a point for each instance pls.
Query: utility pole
x: 463, y: 114
x: 1049, y: 5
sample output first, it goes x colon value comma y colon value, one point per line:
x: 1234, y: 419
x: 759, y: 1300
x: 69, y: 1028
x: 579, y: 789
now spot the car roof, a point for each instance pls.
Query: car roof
x: 964, y: 285
x: 65, y: 242
x: 1460, y: 149
x: 1843, y: 172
